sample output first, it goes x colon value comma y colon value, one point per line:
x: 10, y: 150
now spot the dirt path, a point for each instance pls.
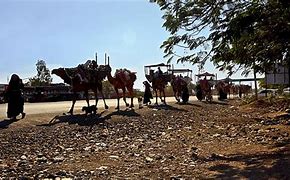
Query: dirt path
x: 198, y: 140
x: 63, y: 106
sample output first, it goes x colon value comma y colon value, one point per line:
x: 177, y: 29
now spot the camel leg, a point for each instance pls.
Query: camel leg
x: 178, y: 96
x: 73, y: 103
x: 164, y: 96
x: 160, y: 95
x: 106, y: 106
x: 118, y: 100
x: 132, y: 104
x: 124, y: 96
x: 87, y: 98
x: 130, y: 89
x: 96, y: 97
x: 102, y: 94
x: 156, y: 96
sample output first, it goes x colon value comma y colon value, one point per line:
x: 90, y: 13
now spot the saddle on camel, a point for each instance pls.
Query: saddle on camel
x: 124, y: 75
x: 123, y: 79
x: 85, y: 77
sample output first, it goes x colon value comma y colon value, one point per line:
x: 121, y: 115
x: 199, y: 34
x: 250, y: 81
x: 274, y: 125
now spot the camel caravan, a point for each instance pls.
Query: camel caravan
x: 90, y: 75
x: 160, y: 79
x: 224, y: 88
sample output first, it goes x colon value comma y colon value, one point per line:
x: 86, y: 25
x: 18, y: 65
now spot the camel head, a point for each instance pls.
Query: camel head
x: 59, y: 72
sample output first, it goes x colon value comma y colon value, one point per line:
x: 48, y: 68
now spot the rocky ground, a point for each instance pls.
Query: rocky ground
x: 198, y: 140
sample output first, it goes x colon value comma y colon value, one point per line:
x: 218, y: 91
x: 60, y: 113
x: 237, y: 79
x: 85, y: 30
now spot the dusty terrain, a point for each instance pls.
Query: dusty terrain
x: 198, y: 140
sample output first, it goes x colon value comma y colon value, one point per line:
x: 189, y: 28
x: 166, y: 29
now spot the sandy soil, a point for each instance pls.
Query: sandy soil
x: 197, y: 140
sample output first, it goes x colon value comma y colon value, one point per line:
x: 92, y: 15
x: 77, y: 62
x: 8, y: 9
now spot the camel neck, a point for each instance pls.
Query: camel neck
x: 110, y: 78
x: 67, y: 78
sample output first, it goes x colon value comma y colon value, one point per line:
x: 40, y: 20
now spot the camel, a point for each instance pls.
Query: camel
x: 234, y: 89
x: 204, y: 90
x: 179, y: 87
x: 124, y: 80
x: 159, y: 82
x: 68, y: 75
x: 244, y: 89
x: 223, y: 89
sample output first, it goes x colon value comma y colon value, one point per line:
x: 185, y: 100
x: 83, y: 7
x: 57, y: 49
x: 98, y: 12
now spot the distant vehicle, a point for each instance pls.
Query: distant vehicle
x: 269, y: 92
x: 286, y: 91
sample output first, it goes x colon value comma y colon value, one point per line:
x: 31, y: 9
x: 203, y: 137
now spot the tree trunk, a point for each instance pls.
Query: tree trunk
x: 256, y: 88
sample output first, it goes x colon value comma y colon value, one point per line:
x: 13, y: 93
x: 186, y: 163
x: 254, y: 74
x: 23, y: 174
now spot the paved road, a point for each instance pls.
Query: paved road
x: 63, y: 106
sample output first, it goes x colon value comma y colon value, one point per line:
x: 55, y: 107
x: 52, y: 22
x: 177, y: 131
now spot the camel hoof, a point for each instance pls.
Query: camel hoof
x: 106, y: 107
x: 70, y: 112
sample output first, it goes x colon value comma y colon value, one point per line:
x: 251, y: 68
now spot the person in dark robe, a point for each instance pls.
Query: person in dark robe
x: 14, y: 97
x: 147, y: 93
x: 185, y: 94
x: 198, y: 92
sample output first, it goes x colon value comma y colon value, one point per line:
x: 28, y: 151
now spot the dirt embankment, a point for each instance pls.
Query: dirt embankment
x: 198, y: 140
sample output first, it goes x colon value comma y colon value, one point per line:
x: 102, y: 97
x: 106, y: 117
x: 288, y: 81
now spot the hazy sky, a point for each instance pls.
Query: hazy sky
x: 66, y: 33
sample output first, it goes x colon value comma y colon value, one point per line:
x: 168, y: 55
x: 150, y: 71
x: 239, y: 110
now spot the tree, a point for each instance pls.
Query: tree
x: 43, y: 77
x: 108, y: 89
x: 243, y: 34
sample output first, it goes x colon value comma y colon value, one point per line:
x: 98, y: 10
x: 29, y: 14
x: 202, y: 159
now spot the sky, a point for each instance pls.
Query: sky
x: 65, y: 33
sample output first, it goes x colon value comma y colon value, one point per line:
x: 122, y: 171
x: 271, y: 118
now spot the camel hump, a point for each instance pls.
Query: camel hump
x: 124, y: 75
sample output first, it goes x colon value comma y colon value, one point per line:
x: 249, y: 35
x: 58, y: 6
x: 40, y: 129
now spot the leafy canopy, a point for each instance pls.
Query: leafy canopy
x: 231, y: 33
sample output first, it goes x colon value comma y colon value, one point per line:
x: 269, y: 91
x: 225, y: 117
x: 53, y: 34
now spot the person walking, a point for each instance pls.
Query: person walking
x: 15, y: 98
x: 147, y: 93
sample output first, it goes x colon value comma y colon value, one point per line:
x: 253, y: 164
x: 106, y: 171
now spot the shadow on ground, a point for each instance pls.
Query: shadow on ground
x: 165, y: 107
x: 188, y: 104
x: 255, y: 166
x: 127, y: 112
x: 80, y: 119
x: 216, y: 102
x: 4, y: 124
x: 88, y: 120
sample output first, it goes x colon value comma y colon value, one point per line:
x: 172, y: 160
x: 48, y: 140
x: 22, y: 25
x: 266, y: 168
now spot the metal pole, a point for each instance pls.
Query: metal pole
x: 96, y: 57
x: 105, y: 58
